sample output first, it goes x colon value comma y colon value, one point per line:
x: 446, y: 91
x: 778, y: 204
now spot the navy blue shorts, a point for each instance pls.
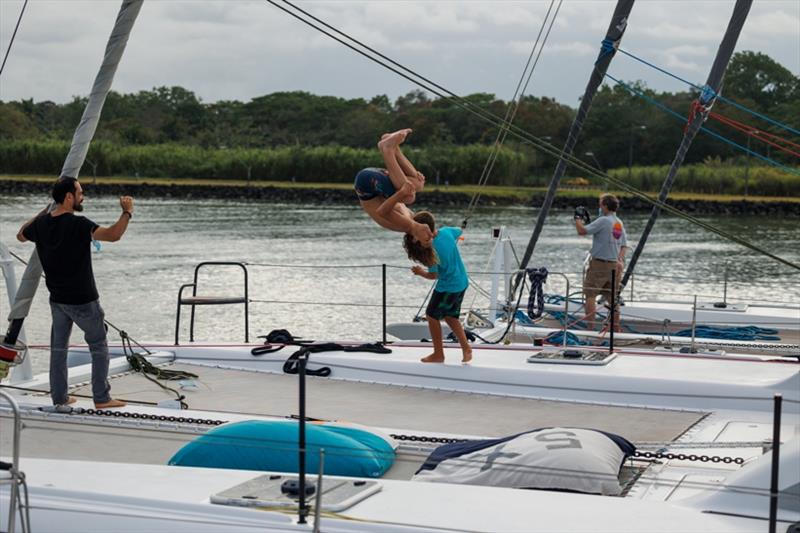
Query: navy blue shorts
x: 373, y: 182
x: 444, y: 304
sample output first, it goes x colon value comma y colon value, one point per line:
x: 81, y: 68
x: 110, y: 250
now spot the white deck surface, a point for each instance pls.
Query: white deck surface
x: 120, y: 494
x: 402, y: 407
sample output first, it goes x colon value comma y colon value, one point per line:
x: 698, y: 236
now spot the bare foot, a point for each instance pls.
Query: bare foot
x: 387, y: 143
x: 391, y: 141
x: 110, y: 404
x: 433, y: 358
x: 467, y: 357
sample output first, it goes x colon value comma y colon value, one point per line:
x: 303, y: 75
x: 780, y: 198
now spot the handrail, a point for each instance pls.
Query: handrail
x: 14, y: 471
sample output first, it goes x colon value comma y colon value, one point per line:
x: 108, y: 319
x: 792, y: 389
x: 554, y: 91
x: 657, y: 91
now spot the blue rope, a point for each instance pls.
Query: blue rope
x: 736, y: 333
x: 522, y: 318
x: 703, y: 128
x: 558, y: 299
x: 707, y: 95
x: 563, y: 318
x: 557, y: 337
x: 722, y: 98
x: 607, y: 46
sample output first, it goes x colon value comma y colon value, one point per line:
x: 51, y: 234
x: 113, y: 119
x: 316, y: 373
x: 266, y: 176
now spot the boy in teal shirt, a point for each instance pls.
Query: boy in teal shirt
x: 445, y: 266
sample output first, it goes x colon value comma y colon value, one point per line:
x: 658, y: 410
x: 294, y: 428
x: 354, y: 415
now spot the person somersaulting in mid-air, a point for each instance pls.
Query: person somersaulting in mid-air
x: 400, y: 182
x: 444, y: 263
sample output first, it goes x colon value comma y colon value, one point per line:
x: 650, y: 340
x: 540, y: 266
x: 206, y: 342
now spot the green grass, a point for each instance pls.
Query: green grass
x: 489, y: 191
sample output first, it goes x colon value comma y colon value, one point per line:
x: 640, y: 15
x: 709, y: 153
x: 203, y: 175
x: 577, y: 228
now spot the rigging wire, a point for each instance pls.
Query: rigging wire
x: 718, y: 96
x: 13, y: 35
x: 763, y: 136
x: 122, y: 333
x: 531, y: 139
x: 681, y: 118
x: 511, y: 112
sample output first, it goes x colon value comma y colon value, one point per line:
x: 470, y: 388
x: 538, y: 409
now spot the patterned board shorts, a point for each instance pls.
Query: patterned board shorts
x: 444, y: 304
x: 373, y: 182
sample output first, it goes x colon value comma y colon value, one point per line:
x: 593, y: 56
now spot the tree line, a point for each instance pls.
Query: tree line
x: 621, y: 128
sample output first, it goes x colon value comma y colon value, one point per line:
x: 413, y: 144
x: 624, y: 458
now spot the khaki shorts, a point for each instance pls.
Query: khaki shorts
x: 598, y: 279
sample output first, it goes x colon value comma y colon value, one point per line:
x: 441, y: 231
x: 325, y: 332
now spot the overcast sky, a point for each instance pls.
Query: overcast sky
x: 225, y: 50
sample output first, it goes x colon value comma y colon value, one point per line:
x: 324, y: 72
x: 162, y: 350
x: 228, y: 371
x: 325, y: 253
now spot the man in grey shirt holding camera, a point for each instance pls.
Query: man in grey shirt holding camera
x: 609, y: 243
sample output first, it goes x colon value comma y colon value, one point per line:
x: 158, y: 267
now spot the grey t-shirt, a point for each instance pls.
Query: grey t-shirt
x: 608, y: 237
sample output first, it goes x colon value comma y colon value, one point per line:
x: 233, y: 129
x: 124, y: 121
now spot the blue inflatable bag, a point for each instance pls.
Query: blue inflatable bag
x: 272, y: 446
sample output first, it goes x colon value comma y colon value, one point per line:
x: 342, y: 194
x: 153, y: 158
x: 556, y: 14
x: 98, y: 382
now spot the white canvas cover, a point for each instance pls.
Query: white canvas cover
x: 580, y: 460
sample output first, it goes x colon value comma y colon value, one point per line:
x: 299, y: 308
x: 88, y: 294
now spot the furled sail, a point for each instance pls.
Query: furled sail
x: 700, y: 109
x: 77, y: 153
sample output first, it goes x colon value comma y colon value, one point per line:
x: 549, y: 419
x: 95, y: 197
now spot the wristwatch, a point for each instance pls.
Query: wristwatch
x: 130, y: 215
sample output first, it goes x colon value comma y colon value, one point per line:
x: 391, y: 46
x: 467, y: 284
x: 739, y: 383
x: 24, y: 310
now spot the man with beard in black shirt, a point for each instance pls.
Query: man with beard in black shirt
x: 62, y: 241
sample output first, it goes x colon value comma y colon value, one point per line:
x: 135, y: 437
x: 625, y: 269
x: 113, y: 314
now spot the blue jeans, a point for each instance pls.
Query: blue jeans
x: 89, y: 318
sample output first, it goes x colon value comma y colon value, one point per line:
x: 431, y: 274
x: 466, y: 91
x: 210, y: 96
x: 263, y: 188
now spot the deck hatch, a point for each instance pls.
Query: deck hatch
x: 572, y: 356
x: 265, y: 491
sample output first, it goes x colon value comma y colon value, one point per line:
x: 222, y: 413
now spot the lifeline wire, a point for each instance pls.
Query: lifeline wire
x: 538, y: 143
x: 121, y: 332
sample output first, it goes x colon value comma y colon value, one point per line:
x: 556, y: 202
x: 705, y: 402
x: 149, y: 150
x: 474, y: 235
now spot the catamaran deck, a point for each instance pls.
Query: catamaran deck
x: 226, y: 394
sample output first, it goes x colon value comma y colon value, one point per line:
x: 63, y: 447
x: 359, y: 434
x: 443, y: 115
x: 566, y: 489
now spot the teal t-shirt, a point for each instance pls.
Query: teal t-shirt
x: 452, y: 276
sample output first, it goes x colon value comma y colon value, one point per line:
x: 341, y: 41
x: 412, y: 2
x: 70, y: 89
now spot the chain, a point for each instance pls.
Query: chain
x: 425, y: 438
x: 637, y: 453
x: 690, y: 457
x: 396, y: 436
x: 144, y: 416
x: 704, y: 444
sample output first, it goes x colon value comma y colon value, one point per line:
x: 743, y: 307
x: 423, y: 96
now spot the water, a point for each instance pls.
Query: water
x: 138, y: 277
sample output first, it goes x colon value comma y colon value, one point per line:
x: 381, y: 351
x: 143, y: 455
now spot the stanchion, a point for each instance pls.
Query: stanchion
x: 613, y: 309
x: 302, y: 512
x: 776, y: 457
x: 383, y: 268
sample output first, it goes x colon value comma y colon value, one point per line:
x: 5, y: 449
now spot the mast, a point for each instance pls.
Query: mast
x: 84, y: 133
x: 616, y: 29
x: 699, y: 111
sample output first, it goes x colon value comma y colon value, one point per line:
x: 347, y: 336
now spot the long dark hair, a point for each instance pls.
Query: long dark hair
x: 416, y: 251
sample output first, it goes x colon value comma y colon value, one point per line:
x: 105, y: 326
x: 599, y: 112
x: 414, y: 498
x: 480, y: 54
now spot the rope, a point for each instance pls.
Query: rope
x: 751, y: 131
x: 144, y: 367
x: 538, y: 277
x: 534, y: 141
x: 711, y: 132
x: 511, y: 112
x: 719, y: 96
x: 13, y: 35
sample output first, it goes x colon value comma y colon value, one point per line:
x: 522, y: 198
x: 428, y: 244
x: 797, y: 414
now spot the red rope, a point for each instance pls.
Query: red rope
x: 697, y: 108
x: 762, y: 136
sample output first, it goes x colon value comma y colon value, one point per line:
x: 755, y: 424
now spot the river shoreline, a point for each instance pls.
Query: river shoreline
x: 434, y: 197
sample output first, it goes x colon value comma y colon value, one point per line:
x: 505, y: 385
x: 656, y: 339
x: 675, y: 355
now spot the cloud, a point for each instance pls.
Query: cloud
x: 242, y: 49
x: 575, y: 48
x: 774, y: 23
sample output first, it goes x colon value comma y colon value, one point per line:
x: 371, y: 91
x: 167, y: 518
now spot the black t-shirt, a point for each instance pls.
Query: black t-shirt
x: 63, y: 243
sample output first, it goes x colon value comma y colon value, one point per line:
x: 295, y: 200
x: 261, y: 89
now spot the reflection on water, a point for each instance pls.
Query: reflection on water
x: 138, y: 277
